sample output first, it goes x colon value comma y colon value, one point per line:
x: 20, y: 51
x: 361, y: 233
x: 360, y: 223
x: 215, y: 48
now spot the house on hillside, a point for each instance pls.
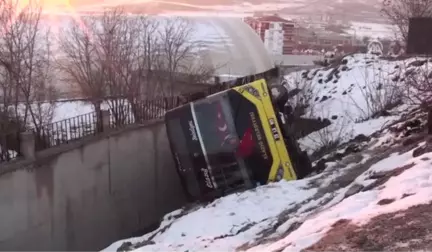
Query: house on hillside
x: 276, y: 33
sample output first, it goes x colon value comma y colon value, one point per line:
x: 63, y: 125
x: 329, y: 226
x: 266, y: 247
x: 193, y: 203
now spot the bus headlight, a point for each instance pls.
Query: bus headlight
x: 280, y: 173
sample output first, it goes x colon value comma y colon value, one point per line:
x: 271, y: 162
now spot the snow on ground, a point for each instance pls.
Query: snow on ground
x: 350, y: 94
x: 224, y: 218
x: 291, y: 216
x: 241, y: 220
x: 66, y: 110
x: 361, y: 207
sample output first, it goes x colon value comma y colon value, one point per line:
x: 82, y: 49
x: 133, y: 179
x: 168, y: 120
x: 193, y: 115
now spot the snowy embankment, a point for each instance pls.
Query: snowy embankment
x: 369, y: 177
x: 353, y: 95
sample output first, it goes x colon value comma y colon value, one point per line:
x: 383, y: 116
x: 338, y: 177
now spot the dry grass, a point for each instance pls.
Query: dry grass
x: 405, y: 230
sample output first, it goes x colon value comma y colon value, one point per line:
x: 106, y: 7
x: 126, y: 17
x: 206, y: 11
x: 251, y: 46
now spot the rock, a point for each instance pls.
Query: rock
x: 381, y: 113
x: 377, y: 175
x: 417, y: 63
x: 344, y: 93
x: 407, y: 195
x: 126, y: 246
x: 334, y: 117
x: 353, y: 190
x: 320, y: 165
x: 324, y: 98
x: 361, y: 138
x: 413, y: 123
x: 338, y: 156
x: 351, y: 149
x: 408, y: 141
x: 419, y: 151
x: 422, y: 150
x: 412, y: 140
x: 357, y: 158
x: 409, y: 72
x: 385, y: 201
x: 144, y: 243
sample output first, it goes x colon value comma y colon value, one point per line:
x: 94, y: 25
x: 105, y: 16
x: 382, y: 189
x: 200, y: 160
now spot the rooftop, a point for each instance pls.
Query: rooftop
x: 271, y: 18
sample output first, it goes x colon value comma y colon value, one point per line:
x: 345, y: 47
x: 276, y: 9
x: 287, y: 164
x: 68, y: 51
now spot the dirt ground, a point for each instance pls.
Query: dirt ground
x: 405, y: 230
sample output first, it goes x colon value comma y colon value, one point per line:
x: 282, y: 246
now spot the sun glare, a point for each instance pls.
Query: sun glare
x: 53, y: 11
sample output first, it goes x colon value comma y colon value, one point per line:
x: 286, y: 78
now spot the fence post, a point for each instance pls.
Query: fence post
x: 105, y: 119
x: 27, y: 145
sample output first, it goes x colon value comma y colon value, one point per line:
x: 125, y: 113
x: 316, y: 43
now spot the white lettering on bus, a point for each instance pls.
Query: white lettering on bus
x: 207, y: 177
x: 259, y: 136
x: 193, y: 131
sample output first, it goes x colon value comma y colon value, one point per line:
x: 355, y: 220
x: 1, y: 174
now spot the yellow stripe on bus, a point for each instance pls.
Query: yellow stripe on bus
x: 265, y: 112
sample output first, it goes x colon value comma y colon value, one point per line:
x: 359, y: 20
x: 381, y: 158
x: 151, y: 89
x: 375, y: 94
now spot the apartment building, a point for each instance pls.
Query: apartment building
x: 276, y: 33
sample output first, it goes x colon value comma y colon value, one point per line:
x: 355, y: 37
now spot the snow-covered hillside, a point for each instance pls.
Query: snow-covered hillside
x: 371, y: 183
x: 353, y: 94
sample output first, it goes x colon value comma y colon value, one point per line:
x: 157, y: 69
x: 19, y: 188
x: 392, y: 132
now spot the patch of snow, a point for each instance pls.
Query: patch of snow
x: 361, y: 207
x: 349, y: 95
x: 66, y: 110
x: 198, y: 231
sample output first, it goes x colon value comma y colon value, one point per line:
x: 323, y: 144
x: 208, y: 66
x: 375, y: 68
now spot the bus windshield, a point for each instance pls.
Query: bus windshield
x: 224, y: 148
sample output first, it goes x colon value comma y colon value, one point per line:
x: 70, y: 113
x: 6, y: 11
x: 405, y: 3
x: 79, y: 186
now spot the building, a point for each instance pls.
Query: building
x: 318, y: 39
x: 276, y: 33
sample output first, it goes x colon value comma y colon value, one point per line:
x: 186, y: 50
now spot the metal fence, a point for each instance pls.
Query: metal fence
x: 67, y: 130
x: 75, y: 128
x: 143, y: 111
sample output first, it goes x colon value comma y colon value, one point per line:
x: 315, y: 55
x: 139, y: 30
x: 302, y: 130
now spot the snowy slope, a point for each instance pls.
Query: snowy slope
x: 363, y: 206
x: 352, y: 94
x: 291, y: 216
x: 356, y: 188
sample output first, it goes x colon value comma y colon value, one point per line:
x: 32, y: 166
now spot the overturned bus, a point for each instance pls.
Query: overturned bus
x: 233, y: 140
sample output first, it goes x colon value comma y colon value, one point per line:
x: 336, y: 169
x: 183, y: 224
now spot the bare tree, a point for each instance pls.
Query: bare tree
x: 110, y: 58
x: 79, y: 60
x: 418, y: 83
x: 179, y: 57
x: 125, y: 60
x: 399, y: 12
x: 27, y: 96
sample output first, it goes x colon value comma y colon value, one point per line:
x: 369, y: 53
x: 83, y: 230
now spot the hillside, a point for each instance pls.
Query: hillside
x: 360, y: 10
x: 375, y: 178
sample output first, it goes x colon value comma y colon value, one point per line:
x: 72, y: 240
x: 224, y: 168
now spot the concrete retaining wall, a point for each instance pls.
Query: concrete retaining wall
x: 88, y: 194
